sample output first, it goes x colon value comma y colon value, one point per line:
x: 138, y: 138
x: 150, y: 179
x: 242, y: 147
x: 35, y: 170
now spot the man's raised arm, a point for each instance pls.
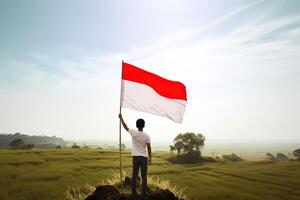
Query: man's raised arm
x: 123, y: 123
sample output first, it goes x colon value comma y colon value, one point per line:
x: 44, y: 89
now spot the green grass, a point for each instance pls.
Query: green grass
x: 47, y: 174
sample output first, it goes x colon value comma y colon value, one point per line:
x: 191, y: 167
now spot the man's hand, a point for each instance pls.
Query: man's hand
x: 150, y: 160
x: 123, y: 123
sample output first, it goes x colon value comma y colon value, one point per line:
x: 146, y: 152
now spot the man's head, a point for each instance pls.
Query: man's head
x: 140, y: 124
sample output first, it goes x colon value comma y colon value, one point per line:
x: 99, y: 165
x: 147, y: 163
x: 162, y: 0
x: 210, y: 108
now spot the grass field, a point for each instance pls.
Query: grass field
x: 46, y: 174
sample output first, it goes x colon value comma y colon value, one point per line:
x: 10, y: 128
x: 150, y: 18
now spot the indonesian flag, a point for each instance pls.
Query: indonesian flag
x: 147, y: 92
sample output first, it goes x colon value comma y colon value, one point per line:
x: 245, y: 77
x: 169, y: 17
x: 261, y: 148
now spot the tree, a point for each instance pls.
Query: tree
x: 17, y: 144
x: 172, y: 149
x: 178, y: 146
x: 75, y: 146
x: 191, y: 142
x: 188, y: 146
x: 296, y: 153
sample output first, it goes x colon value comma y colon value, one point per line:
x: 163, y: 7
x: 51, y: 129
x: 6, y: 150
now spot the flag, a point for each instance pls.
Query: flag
x: 147, y: 92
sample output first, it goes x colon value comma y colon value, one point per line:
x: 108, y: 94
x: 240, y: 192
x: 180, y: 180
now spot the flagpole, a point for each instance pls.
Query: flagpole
x: 120, y: 129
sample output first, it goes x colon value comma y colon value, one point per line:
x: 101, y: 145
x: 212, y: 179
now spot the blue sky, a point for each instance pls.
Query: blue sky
x: 60, y: 66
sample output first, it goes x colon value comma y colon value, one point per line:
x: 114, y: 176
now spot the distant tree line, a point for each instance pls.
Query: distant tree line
x: 20, y: 144
x: 283, y: 157
x: 36, y: 140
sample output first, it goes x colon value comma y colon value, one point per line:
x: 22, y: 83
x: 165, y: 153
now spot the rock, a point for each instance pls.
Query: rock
x: 127, y: 181
x: 161, y: 194
x: 104, y: 192
x: 129, y: 197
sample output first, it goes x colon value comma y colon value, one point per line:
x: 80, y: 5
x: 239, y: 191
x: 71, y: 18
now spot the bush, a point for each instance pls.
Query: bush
x: 218, y: 159
x: 296, y: 153
x: 281, y: 157
x: 47, y: 145
x: 233, y: 158
x: 192, y: 157
x: 58, y: 147
x: 278, y: 157
x: 17, y: 144
x: 270, y: 157
x: 75, y: 146
x: 28, y: 146
x: 209, y: 159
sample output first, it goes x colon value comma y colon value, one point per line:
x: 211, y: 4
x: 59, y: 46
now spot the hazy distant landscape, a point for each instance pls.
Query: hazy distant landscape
x: 247, y: 150
x: 51, y: 173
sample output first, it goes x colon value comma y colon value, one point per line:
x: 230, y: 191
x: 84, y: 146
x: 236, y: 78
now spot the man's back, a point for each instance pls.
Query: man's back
x: 139, y: 142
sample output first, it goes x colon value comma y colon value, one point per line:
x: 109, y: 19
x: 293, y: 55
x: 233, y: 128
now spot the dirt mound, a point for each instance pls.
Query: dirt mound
x: 110, y: 192
x: 161, y: 194
x: 104, y: 192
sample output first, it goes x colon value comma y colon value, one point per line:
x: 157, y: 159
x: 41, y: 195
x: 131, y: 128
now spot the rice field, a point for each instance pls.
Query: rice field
x: 47, y: 174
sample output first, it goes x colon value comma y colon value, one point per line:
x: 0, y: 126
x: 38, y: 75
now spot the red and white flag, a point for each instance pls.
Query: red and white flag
x: 147, y: 92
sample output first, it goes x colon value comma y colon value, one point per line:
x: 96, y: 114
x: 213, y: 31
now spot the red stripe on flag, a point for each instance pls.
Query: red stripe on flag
x: 164, y: 87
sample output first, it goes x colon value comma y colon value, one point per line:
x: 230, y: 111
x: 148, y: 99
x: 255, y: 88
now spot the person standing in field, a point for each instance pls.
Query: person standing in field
x: 141, y: 154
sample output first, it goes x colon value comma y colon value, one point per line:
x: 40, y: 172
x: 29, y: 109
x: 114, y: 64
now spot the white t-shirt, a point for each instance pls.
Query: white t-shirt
x: 139, y: 142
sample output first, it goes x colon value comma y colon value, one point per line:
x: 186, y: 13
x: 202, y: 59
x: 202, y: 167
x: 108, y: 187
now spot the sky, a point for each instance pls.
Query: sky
x: 60, y: 67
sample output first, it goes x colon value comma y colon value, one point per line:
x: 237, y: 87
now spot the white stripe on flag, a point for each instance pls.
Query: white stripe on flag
x: 143, y: 98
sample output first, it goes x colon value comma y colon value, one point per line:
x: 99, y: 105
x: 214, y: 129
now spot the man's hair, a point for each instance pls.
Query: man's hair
x: 140, y: 123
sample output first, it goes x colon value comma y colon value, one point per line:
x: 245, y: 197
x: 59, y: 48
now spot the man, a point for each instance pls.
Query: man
x: 140, y: 140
